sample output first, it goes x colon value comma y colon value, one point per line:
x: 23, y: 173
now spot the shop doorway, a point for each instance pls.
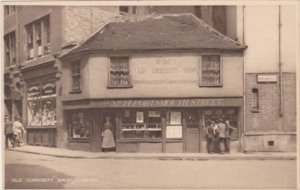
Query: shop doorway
x: 192, y: 131
x: 228, y: 113
x: 109, y: 116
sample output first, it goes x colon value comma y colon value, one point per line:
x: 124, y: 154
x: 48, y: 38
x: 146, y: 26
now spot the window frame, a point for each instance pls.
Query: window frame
x: 109, y: 84
x: 200, y: 82
x: 145, y: 123
x: 11, y: 48
x: 255, y: 100
x: 72, y: 76
x: 9, y: 10
x: 38, y: 50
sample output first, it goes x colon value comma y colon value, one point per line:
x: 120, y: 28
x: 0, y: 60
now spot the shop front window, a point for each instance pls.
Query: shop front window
x: 78, y: 124
x: 141, y: 124
x: 174, y: 125
x: 42, y: 104
x: 210, y: 71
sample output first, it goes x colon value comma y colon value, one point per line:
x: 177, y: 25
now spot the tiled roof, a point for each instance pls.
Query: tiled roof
x: 157, y: 32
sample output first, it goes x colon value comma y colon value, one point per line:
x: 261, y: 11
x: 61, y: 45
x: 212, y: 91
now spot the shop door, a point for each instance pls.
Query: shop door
x: 111, y: 116
x: 192, y: 131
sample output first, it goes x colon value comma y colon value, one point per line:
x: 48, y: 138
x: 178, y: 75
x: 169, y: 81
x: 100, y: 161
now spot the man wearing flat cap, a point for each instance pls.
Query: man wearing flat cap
x: 222, y: 129
x: 9, y: 133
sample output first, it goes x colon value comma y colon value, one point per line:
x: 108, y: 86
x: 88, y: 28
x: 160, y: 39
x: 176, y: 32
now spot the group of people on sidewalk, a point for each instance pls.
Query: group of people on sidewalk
x: 14, y: 132
x: 218, y: 135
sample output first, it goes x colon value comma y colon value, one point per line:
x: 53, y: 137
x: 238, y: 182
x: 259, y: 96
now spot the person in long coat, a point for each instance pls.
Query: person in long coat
x: 9, y: 133
x: 108, y: 141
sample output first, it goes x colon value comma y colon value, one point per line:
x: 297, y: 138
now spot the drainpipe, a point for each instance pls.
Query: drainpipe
x: 242, y: 141
x: 279, y: 59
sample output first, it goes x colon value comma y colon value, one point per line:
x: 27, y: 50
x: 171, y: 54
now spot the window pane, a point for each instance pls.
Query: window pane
x: 210, y: 70
x: 119, y: 72
x: 34, y: 106
x: 78, y: 125
x: 76, y: 83
x: 7, y: 50
x: 47, y: 35
x: 141, y: 124
x: 29, y: 31
x: 13, y: 47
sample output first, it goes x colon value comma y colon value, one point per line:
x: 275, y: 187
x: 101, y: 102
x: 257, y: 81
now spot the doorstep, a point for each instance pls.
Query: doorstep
x: 66, y: 153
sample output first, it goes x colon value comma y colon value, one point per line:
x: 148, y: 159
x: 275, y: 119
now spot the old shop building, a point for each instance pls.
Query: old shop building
x: 159, y: 78
x: 34, y: 36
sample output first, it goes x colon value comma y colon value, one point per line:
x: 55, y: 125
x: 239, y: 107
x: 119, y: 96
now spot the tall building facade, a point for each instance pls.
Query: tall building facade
x: 34, y: 36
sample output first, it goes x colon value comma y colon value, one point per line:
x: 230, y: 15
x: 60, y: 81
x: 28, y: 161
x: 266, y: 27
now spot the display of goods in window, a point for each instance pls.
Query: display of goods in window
x: 42, y: 105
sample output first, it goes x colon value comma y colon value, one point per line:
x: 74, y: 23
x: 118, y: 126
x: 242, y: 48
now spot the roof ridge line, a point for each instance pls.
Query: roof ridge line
x: 210, y: 28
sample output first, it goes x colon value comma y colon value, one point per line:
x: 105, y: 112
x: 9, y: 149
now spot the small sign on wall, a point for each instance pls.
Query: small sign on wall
x: 139, y: 117
x: 174, y: 132
x: 267, y: 78
x: 175, y: 118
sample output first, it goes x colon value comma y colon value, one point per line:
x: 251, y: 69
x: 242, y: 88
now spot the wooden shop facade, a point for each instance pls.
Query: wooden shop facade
x: 160, y: 89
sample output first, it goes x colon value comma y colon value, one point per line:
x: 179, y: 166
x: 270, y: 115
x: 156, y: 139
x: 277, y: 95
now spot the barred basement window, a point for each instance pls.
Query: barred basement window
x: 119, y: 75
x: 255, y: 100
x: 210, y: 71
x: 76, y: 77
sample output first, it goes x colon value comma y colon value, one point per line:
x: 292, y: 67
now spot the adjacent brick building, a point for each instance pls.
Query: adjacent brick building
x: 34, y: 37
x: 270, y: 76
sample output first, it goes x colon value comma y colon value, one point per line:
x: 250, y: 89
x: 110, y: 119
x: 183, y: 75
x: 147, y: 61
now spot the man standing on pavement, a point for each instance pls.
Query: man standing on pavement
x: 210, y: 137
x: 18, y: 130
x: 228, y: 131
x: 9, y: 133
x: 222, y: 129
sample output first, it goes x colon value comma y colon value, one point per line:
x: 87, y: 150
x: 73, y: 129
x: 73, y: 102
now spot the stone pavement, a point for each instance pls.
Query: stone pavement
x: 65, y: 153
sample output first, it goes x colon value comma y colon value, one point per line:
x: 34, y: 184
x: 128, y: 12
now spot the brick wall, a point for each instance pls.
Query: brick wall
x: 80, y: 22
x: 267, y: 119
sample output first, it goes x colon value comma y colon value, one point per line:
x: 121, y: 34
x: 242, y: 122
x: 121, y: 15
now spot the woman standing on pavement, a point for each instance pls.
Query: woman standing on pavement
x: 18, y: 130
x: 108, y: 142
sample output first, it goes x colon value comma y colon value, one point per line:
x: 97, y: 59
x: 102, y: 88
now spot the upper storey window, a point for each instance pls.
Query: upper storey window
x: 119, y: 74
x: 10, y: 49
x: 38, y: 38
x: 210, y: 71
x: 9, y: 9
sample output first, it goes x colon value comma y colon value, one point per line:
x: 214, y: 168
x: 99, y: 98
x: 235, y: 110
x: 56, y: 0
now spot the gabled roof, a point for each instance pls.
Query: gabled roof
x: 156, y: 32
